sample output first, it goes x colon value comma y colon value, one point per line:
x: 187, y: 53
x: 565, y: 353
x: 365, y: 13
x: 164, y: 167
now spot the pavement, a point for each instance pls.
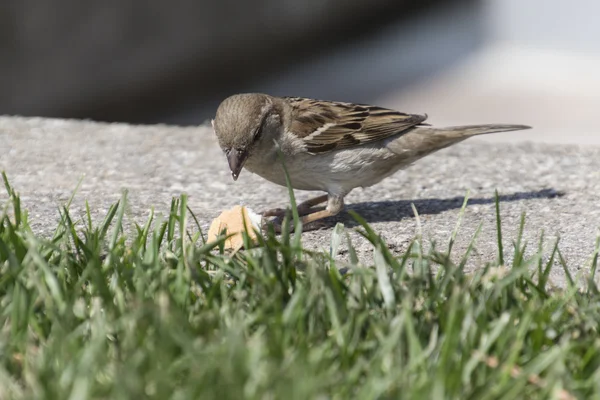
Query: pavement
x: 556, y: 185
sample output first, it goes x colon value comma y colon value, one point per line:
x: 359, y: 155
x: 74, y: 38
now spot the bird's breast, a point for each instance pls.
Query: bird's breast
x: 334, y: 172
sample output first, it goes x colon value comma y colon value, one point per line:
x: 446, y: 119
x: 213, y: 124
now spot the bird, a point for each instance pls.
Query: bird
x: 328, y: 146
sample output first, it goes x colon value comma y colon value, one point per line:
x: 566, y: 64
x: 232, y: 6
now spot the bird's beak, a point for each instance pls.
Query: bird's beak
x: 236, y: 160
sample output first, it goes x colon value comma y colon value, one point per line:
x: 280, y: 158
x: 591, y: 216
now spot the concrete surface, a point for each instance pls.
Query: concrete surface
x: 558, y: 186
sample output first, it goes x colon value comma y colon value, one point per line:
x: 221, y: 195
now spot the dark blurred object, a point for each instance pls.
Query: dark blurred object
x: 126, y: 60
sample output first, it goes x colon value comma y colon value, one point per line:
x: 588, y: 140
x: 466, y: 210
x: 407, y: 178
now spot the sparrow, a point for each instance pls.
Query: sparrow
x: 327, y: 146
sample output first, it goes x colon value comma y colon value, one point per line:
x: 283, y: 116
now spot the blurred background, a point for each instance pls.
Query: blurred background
x: 533, y: 62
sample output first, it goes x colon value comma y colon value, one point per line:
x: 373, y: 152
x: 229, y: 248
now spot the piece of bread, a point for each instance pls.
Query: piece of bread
x: 233, y: 221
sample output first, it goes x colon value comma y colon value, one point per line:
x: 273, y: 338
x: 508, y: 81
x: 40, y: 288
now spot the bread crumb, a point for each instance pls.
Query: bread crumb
x: 232, y: 221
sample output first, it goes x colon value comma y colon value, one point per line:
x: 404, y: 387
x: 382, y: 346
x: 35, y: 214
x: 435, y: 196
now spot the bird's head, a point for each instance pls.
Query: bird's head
x: 241, y: 123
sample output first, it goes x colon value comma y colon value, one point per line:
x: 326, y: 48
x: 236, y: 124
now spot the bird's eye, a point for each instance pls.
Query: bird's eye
x: 227, y: 151
x: 257, y: 133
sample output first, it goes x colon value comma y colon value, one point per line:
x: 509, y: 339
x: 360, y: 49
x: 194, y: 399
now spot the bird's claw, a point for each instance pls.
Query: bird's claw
x: 275, y: 223
x: 274, y: 212
x: 278, y: 226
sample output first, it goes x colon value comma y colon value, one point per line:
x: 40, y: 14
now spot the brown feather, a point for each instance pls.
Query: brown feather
x: 349, y: 124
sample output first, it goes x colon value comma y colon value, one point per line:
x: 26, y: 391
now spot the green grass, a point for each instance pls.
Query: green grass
x: 99, y: 311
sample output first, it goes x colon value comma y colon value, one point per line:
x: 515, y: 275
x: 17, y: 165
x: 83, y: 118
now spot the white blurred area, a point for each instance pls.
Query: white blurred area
x: 534, y: 62
x: 539, y: 65
x: 556, y: 92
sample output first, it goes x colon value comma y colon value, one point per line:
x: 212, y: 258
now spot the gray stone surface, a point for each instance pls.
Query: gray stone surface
x: 558, y: 186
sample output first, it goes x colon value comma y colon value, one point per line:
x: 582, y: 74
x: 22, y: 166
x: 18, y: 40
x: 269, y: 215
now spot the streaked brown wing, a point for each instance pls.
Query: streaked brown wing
x: 326, y: 125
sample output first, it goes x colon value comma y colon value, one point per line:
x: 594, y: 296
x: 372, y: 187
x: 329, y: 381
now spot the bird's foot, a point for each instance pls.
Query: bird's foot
x: 311, y: 215
x: 311, y: 226
x: 311, y: 220
x: 304, y: 208
x: 275, y: 212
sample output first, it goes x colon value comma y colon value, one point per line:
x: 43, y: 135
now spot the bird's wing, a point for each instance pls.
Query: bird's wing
x: 325, y: 126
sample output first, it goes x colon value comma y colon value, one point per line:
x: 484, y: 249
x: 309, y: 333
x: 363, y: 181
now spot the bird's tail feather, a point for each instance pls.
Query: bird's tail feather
x: 473, y: 130
x: 424, y: 140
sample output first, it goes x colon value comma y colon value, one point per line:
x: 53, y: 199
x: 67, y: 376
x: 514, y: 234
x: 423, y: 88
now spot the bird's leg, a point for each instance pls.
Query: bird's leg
x: 303, y: 208
x: 335, y: 204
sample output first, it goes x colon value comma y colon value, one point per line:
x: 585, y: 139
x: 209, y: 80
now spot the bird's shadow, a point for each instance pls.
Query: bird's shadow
x: 388, y: 211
